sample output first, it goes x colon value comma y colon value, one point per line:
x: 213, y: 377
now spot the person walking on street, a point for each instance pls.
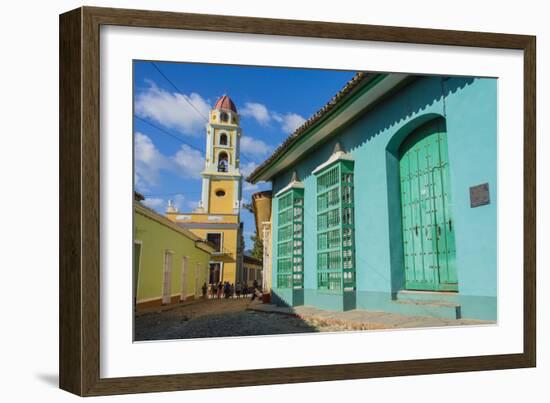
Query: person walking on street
x: 213, y: 290
x: 238, y: 290
x: 220, y: 288
x: 226, y: 289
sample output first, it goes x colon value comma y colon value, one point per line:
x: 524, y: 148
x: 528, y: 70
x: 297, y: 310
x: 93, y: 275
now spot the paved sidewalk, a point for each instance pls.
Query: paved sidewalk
x: 363, y: 320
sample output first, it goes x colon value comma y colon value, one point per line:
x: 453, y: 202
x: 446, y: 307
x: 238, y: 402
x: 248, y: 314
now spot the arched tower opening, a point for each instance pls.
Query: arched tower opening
x: 223, y: 162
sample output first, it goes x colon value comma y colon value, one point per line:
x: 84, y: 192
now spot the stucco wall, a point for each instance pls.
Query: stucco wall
x: 229, y: 247
x: 221, y: 204
x: 155, y: 239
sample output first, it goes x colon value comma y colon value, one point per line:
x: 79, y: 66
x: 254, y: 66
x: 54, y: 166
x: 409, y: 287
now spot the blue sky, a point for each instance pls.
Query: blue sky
x: 172, y: 100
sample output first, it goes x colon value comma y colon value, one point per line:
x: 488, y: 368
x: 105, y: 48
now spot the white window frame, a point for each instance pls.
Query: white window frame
x: 221, y: 240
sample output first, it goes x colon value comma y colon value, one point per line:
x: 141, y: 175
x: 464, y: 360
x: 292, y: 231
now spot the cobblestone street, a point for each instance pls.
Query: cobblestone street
x: 243, y: 317
x: 220, y: 318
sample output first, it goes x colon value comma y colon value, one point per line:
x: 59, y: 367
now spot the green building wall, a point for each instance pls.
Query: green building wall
x: 468, y: 106
x: 156, y: 237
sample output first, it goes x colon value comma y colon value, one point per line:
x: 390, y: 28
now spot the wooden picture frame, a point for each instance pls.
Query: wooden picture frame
x: 80, y: 198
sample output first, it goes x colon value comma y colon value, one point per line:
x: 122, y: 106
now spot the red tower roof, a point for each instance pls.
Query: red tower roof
x: 225, y: 103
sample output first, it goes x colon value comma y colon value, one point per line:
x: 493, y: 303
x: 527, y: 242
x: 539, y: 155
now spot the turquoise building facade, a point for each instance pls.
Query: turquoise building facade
x: 398, y: 181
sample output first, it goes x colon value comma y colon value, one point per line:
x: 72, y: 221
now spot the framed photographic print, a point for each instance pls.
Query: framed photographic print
x: 250, y: 201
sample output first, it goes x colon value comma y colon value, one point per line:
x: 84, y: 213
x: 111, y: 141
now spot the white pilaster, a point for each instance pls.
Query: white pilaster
x: 209, y: 145
x: 237, y: 193
x: 205, y: 193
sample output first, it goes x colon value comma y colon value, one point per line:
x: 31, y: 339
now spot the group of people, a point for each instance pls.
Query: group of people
x: 230, y: 290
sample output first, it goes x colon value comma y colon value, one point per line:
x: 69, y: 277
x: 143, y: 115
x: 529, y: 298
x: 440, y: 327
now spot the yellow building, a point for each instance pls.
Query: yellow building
x: 170, y: 263
x: 217, y: 218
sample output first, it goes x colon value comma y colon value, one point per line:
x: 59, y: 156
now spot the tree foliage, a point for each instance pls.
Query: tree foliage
x: 258, y: 247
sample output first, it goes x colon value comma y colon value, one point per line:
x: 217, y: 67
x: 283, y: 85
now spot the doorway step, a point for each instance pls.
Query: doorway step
x: 427, y: 303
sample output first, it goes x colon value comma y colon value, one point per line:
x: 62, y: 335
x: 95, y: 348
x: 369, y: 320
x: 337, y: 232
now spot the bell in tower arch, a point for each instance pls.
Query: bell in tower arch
x: 223, y: 163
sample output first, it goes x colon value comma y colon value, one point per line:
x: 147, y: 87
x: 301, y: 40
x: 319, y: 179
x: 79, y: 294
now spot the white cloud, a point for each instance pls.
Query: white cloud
x: 250, y: 187
x: 257, y: 111
x: 179, y: 201
x: 192, y: 204
x: 188, y: 162
x: 157, y: 204
x: 246, y: 169
x: 173, y: 110
x: 254, y: 147
x: 289, y: 121
x: 148, y: 162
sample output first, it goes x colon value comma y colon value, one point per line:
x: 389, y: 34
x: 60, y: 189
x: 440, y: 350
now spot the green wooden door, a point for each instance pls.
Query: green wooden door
x: 427, y: 221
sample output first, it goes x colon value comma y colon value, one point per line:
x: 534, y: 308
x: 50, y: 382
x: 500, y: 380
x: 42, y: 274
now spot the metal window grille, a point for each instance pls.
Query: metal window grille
x: 290, y: 240
x: 335, y: 228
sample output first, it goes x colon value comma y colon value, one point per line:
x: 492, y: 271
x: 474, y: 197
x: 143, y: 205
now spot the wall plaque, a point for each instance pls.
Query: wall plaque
x: 479, y: 195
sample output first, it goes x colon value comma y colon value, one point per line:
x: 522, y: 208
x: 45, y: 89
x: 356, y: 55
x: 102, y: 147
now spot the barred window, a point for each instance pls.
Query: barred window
x: 347, y: 237
x: 290, y: 262
x: 335, y: 228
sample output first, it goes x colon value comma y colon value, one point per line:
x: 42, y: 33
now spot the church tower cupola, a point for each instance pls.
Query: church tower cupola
x: 224, y: 112
x: 221, y: 178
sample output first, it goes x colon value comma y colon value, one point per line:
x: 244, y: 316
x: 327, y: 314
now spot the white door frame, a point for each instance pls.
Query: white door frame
x: 220, y: 274
x: 184, y: 266
x: 136, y: 279
x: 167, y: 276
x: 197, y: 271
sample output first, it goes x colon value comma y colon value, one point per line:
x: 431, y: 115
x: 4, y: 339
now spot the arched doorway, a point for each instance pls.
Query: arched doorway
x: 426, y: 210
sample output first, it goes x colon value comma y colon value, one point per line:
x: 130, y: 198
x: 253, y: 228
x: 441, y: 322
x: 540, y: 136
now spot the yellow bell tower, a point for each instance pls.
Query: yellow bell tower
x: 221, y: 178
x: 217, y: 217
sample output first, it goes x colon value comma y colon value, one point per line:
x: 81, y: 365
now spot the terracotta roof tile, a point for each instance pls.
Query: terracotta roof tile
x: 225, y: 103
